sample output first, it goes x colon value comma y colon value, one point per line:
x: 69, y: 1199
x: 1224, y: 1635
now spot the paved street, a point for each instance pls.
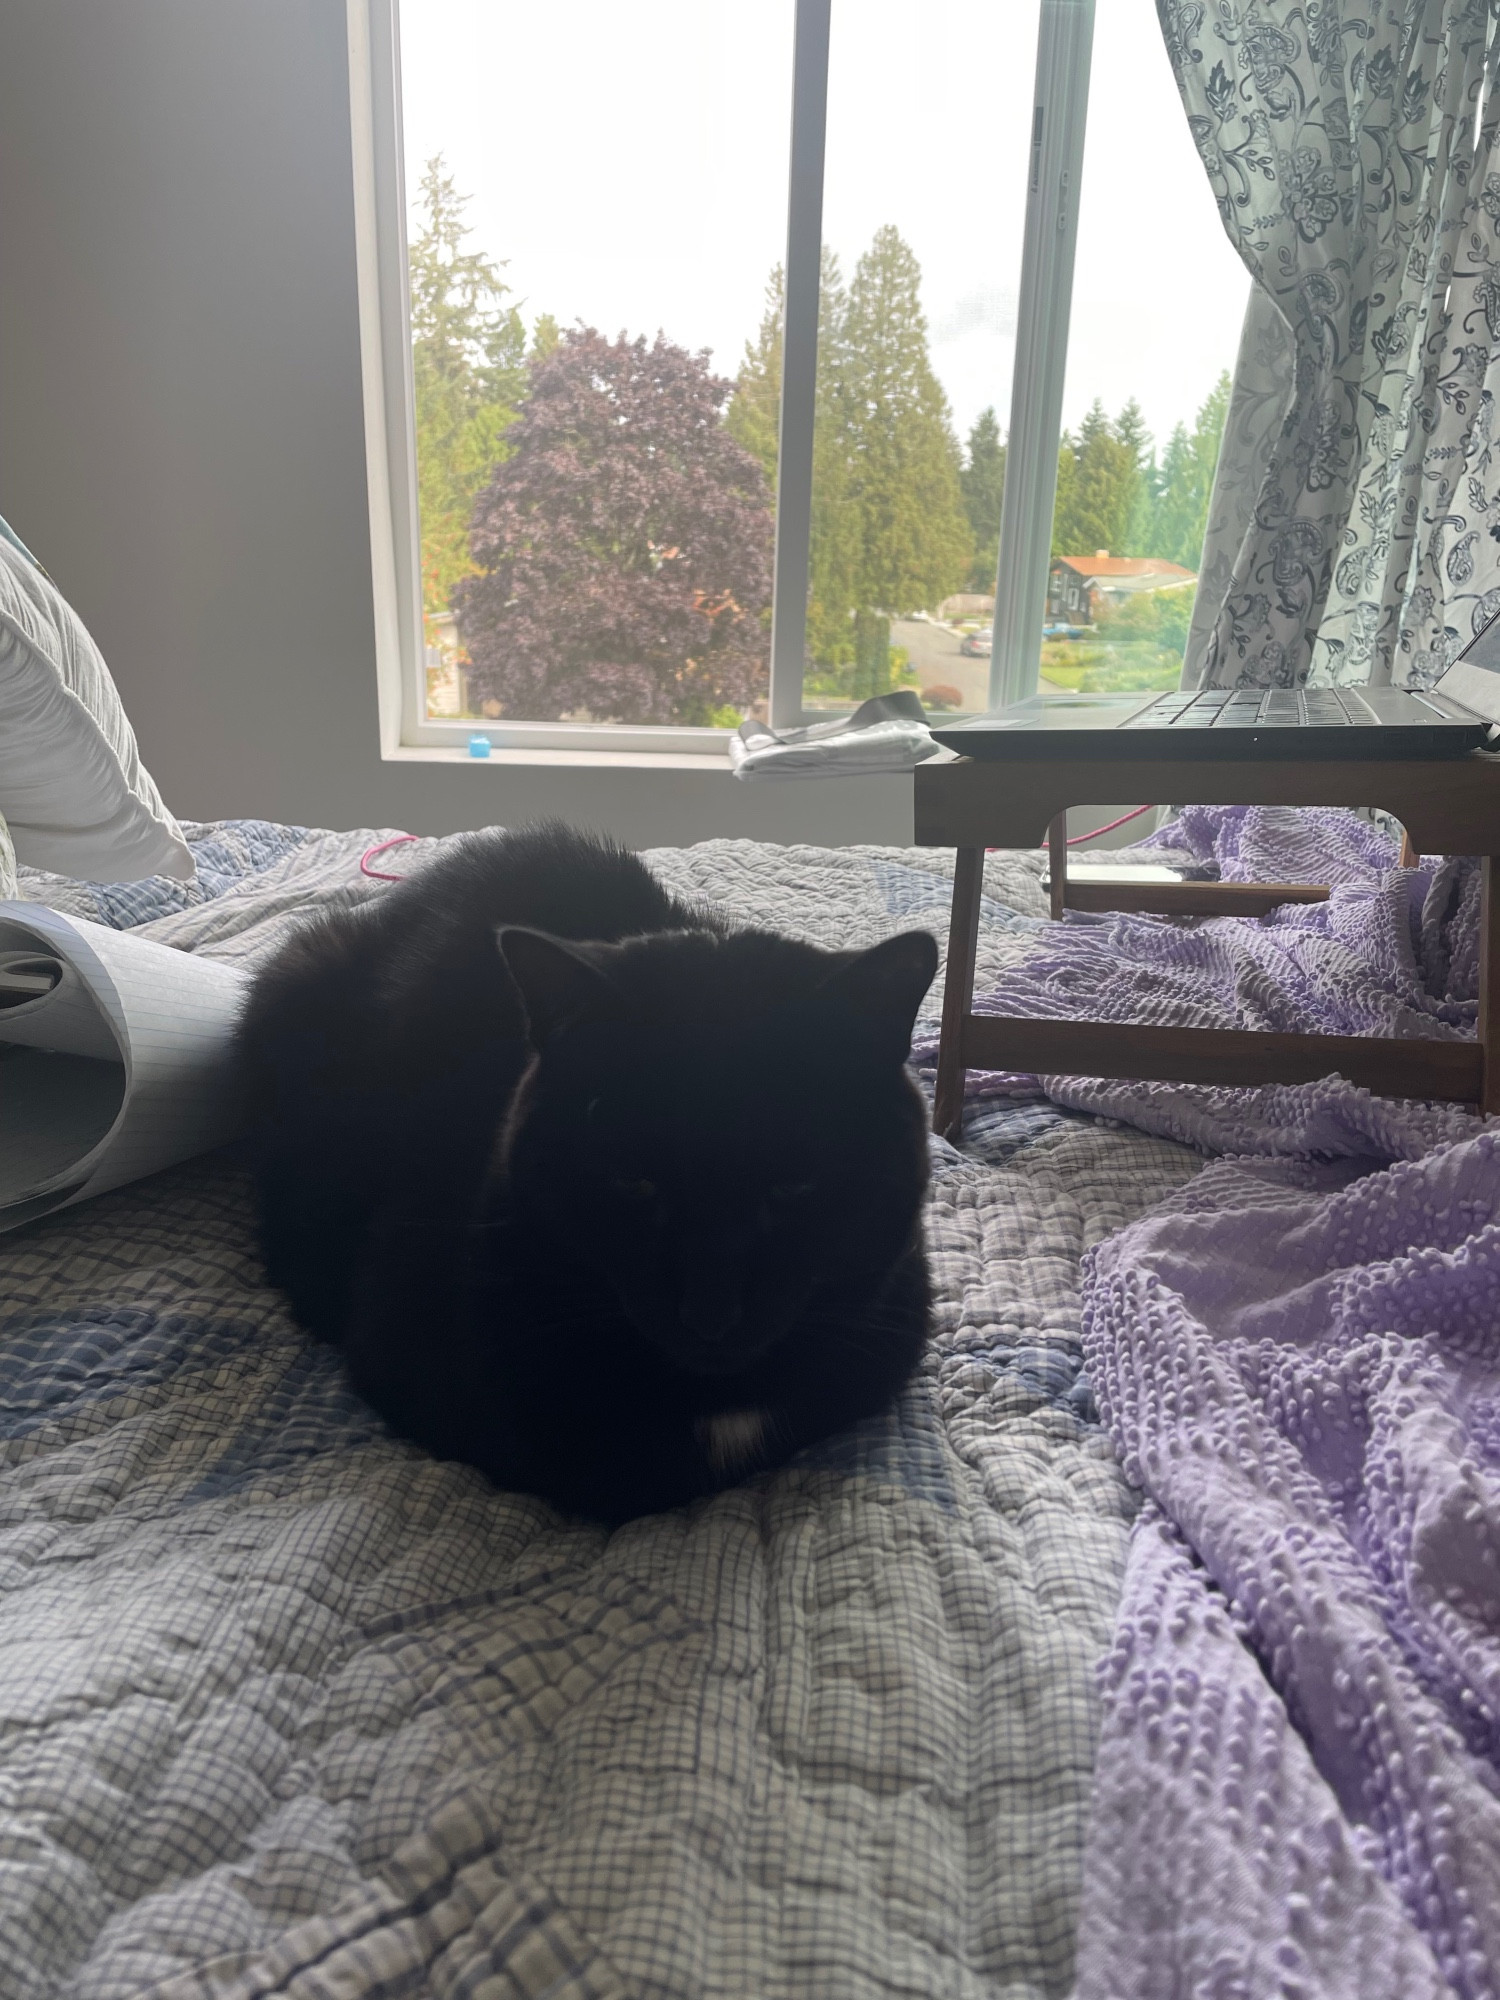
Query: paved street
x: 935, y: 655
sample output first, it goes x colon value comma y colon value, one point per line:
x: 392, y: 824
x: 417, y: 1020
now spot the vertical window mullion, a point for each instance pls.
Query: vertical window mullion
x: 799, y: 362
x: 373, y: 28
x: 1054, y: 184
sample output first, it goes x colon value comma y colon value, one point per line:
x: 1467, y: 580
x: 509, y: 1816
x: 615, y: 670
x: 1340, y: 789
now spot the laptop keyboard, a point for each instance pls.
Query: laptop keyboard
x: 1255, y: 708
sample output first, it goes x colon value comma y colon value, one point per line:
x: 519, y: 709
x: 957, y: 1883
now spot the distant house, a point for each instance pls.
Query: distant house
x: 966, y: 604
x: 1077, y: 586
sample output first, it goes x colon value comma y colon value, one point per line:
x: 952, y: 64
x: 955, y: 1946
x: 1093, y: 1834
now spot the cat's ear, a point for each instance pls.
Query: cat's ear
x: 883, y: 988
x: 559, y: 988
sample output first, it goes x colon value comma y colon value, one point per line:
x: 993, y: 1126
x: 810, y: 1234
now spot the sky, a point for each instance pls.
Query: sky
x: 628, y: 167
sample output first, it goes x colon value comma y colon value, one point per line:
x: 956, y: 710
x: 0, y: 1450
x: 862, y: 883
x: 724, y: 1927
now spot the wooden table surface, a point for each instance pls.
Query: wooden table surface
x: 1449, y: 805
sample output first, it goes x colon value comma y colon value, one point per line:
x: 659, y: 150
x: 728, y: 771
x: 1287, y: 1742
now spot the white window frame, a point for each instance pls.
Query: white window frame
x: 1064, y: 48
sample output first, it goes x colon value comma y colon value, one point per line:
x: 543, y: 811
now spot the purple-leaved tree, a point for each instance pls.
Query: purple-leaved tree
x: 624, y: 546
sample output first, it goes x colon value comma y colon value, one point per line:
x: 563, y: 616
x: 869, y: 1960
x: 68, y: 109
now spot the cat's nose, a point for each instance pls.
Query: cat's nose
x: 710, y: 1309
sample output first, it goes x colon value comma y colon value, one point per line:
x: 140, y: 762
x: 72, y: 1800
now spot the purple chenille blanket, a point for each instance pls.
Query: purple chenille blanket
x: 1298, y: 1788
x: 1393, y: 952
x: 1298, y: 1359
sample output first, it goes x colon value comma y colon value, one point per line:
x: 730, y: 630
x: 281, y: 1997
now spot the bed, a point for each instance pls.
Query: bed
x: 288, y: 1708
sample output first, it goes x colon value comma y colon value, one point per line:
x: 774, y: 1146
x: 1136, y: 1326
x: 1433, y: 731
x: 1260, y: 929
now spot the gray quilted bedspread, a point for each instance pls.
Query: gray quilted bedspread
x: 288, y: 1708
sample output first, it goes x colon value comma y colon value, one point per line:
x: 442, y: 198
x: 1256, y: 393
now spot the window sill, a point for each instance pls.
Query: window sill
x: 716, y: 764
x: 645, y: 798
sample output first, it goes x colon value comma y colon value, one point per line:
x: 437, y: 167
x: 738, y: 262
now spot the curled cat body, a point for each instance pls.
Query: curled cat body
x: 595, y: 1193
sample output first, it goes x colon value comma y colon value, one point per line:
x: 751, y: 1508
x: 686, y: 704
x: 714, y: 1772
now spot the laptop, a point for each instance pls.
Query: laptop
x: 1459, y: 713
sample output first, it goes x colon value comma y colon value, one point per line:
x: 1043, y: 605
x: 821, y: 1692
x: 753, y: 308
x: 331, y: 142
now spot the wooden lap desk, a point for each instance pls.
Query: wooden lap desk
x: 1448, y: 806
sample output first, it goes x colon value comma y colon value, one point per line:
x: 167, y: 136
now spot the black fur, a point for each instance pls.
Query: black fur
x: 617, y: 1221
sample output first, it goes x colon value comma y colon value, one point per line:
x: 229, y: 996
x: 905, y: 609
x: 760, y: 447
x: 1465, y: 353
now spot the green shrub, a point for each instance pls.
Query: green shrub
x: 1088, y: 668
x: 1153, y: 617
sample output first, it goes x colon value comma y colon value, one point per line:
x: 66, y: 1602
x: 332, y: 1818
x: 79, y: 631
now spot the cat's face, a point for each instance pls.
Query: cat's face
x: 735, y: 1166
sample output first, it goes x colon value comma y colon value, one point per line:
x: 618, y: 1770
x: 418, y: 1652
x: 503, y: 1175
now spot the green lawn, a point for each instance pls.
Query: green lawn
x: 1085, y: 666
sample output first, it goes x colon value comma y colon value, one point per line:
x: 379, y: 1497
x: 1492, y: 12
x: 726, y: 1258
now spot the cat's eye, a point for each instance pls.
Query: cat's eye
x: 792, y: 1190
x: 634, y: 1190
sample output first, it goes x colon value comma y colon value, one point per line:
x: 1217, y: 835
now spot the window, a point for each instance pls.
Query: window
x: 664, y: 433
x: 924, y: 214
x: 1154, y: 325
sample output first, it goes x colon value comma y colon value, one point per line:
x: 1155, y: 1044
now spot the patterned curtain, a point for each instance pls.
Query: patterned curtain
x: 1354, y: 148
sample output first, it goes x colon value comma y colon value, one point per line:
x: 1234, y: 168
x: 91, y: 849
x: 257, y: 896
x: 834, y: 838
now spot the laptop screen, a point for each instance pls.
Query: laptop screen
x: 1474, y: 677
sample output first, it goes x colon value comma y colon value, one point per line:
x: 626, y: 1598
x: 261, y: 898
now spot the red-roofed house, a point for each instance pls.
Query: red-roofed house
x: 1078, y: 585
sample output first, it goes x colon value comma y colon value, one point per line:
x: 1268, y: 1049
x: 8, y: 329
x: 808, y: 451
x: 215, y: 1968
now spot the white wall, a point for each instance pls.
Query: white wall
x: 181, y: 433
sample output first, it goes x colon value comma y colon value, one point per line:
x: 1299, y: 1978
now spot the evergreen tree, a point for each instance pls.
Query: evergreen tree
x: 1173, y: 505
x: 1185, y: 481
x: 1112, y: 493
x: 890, y: 530
x: 1062, y: 506
x: 1102, y: 486
x: 837, y: 528
x: 983, y: 483
x: 753, y: 418
x: 872, y: 654
x: 468, y: 374
x: 903, y: 468
x: 1141, y: 538
x: 1130, y: 430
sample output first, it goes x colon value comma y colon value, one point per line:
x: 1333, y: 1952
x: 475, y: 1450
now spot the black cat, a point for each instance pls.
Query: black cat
x: 595, y: 1193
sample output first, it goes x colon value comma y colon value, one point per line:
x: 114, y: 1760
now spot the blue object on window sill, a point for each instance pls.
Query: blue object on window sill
x: 479, y: 745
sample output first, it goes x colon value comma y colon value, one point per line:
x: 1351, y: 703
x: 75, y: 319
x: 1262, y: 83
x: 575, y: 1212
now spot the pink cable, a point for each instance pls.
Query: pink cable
x: 1079, y: 838
x: 379, y: 874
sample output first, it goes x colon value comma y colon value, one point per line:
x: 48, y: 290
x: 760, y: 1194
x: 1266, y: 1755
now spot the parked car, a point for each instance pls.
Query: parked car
x: 1068, y: 632
x: 976, y: 645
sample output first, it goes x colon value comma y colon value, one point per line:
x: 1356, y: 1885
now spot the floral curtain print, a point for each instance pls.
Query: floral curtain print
x: 1354, y: 148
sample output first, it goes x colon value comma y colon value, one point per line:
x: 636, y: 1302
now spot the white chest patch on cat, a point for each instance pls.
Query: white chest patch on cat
x: 733, y: 1441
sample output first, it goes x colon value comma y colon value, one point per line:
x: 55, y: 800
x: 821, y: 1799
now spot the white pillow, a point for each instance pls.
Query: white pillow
x: 72, y: 785
x: 8, y: 889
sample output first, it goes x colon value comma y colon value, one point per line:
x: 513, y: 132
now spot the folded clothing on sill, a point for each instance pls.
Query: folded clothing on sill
x: 887, y: 733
